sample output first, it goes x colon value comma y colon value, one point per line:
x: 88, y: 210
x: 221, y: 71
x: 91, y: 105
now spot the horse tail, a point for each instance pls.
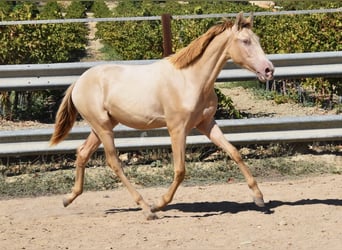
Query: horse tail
x: 65, y: 118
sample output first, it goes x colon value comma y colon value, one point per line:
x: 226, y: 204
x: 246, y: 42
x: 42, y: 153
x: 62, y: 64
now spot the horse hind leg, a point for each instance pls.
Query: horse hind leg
x: 84, y: 152
x: 106, y: 135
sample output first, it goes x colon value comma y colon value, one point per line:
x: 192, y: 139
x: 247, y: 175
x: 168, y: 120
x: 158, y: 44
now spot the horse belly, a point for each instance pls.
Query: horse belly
x: 136, y: 119
x: 135, y: 107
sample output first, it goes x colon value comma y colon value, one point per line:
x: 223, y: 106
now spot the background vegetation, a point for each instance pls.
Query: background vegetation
x: 38, y: 43
x: 52, y: 43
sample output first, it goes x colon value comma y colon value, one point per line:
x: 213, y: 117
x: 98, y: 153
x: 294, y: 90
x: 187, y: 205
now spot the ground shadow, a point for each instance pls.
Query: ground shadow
x: 121, y: 210
x: 206, y: 209
x: 214, y: 208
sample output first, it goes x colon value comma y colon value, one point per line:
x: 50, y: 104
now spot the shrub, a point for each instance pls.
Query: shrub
x: 43, y: 43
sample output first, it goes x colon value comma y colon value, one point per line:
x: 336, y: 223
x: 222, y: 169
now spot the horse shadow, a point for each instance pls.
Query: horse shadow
x: 207, y: 209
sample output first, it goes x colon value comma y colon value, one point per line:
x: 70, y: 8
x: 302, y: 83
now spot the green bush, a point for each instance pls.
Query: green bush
x: 100, y: 9
x: 41, y: 43
x: 299, y: 33
x: 226, y: 109
x: 45, y: 43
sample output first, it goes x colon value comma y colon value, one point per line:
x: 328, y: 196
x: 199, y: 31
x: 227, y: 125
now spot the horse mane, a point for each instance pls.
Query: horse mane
x: 188, y: 55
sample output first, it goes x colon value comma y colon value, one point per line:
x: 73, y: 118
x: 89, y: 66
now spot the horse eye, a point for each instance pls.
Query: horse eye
x: 246, y: 41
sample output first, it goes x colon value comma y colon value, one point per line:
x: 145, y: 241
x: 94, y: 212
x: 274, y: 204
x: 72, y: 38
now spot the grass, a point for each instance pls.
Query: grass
x: 244, y: 84
x: 269, y: 163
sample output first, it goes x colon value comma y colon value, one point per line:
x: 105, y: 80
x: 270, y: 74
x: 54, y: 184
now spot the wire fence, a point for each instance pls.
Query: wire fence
x: 176, y: 17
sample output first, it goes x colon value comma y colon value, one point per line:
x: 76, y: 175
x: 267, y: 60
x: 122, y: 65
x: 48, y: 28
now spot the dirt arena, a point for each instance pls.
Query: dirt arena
x: 305, y: 213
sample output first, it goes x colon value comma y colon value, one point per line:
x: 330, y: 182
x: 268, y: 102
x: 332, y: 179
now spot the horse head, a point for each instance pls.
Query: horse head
x: 245, y: 49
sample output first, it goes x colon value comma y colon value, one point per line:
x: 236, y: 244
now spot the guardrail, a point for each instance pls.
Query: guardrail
x: 240, y: 132
x: 61, y: 75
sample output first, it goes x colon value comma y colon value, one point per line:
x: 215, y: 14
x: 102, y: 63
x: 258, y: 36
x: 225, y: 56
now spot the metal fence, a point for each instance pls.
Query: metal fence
x: 176, y: 17
x: 61, y: 75
x: 240, y: 132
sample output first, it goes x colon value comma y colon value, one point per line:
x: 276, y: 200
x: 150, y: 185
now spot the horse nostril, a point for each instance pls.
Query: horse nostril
x: 269, y: 72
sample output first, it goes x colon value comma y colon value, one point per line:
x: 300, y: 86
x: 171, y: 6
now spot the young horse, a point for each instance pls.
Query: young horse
x: 176, y: 92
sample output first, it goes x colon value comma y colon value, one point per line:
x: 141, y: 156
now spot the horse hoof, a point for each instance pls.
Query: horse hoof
x: 259, y: 202
x: 65, y: 202
x: 151, y: 216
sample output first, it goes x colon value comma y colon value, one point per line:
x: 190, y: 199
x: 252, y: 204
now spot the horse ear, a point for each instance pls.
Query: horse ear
x: 249, y: 21
x: 239, y: 20
x: 242, y: 22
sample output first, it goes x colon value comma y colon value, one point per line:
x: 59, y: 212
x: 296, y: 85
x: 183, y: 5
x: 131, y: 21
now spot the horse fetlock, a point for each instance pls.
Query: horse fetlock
x: 161, y: 204
x: 77, y: 191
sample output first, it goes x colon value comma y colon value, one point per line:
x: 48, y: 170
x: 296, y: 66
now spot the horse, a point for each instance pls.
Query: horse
x: 176, y: 92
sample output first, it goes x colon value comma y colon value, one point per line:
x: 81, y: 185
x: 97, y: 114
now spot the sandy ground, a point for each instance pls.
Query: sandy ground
x: 306, y: 214
x: 245, y: 101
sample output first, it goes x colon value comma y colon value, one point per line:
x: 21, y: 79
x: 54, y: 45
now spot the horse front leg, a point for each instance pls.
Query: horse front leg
x: 214, y: 133
x: 178, y: 149
x: 83, y: 154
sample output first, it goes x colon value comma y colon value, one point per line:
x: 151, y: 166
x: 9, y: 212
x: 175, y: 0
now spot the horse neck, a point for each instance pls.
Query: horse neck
x: 209, y: 65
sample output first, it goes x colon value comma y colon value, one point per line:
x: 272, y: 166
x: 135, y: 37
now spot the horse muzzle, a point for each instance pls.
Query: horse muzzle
x: 267, y: 73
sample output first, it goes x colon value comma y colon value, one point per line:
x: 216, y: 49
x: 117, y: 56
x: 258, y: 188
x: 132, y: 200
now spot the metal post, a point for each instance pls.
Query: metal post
x: 166, y: 27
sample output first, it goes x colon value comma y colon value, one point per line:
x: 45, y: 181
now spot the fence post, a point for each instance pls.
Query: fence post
x: 166, y: 27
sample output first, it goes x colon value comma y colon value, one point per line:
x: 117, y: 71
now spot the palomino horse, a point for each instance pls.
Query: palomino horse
x: 176, y: 92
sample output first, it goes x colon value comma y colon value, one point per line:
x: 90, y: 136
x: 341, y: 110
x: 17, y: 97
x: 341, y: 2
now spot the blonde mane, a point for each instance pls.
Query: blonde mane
x: 188, y: 55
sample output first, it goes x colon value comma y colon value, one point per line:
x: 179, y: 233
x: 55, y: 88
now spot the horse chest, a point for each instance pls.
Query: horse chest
x: 202, y: 108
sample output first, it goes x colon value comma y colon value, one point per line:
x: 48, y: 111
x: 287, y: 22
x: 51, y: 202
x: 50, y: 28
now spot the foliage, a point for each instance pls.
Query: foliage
x: 45, y: 43
x: 321, y: 91
x: 76, y: 10
x: 226, y: 109
x: 100, y: 9
x: 306, y: 5
x: 37, y: 43
x: 299, y: 33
